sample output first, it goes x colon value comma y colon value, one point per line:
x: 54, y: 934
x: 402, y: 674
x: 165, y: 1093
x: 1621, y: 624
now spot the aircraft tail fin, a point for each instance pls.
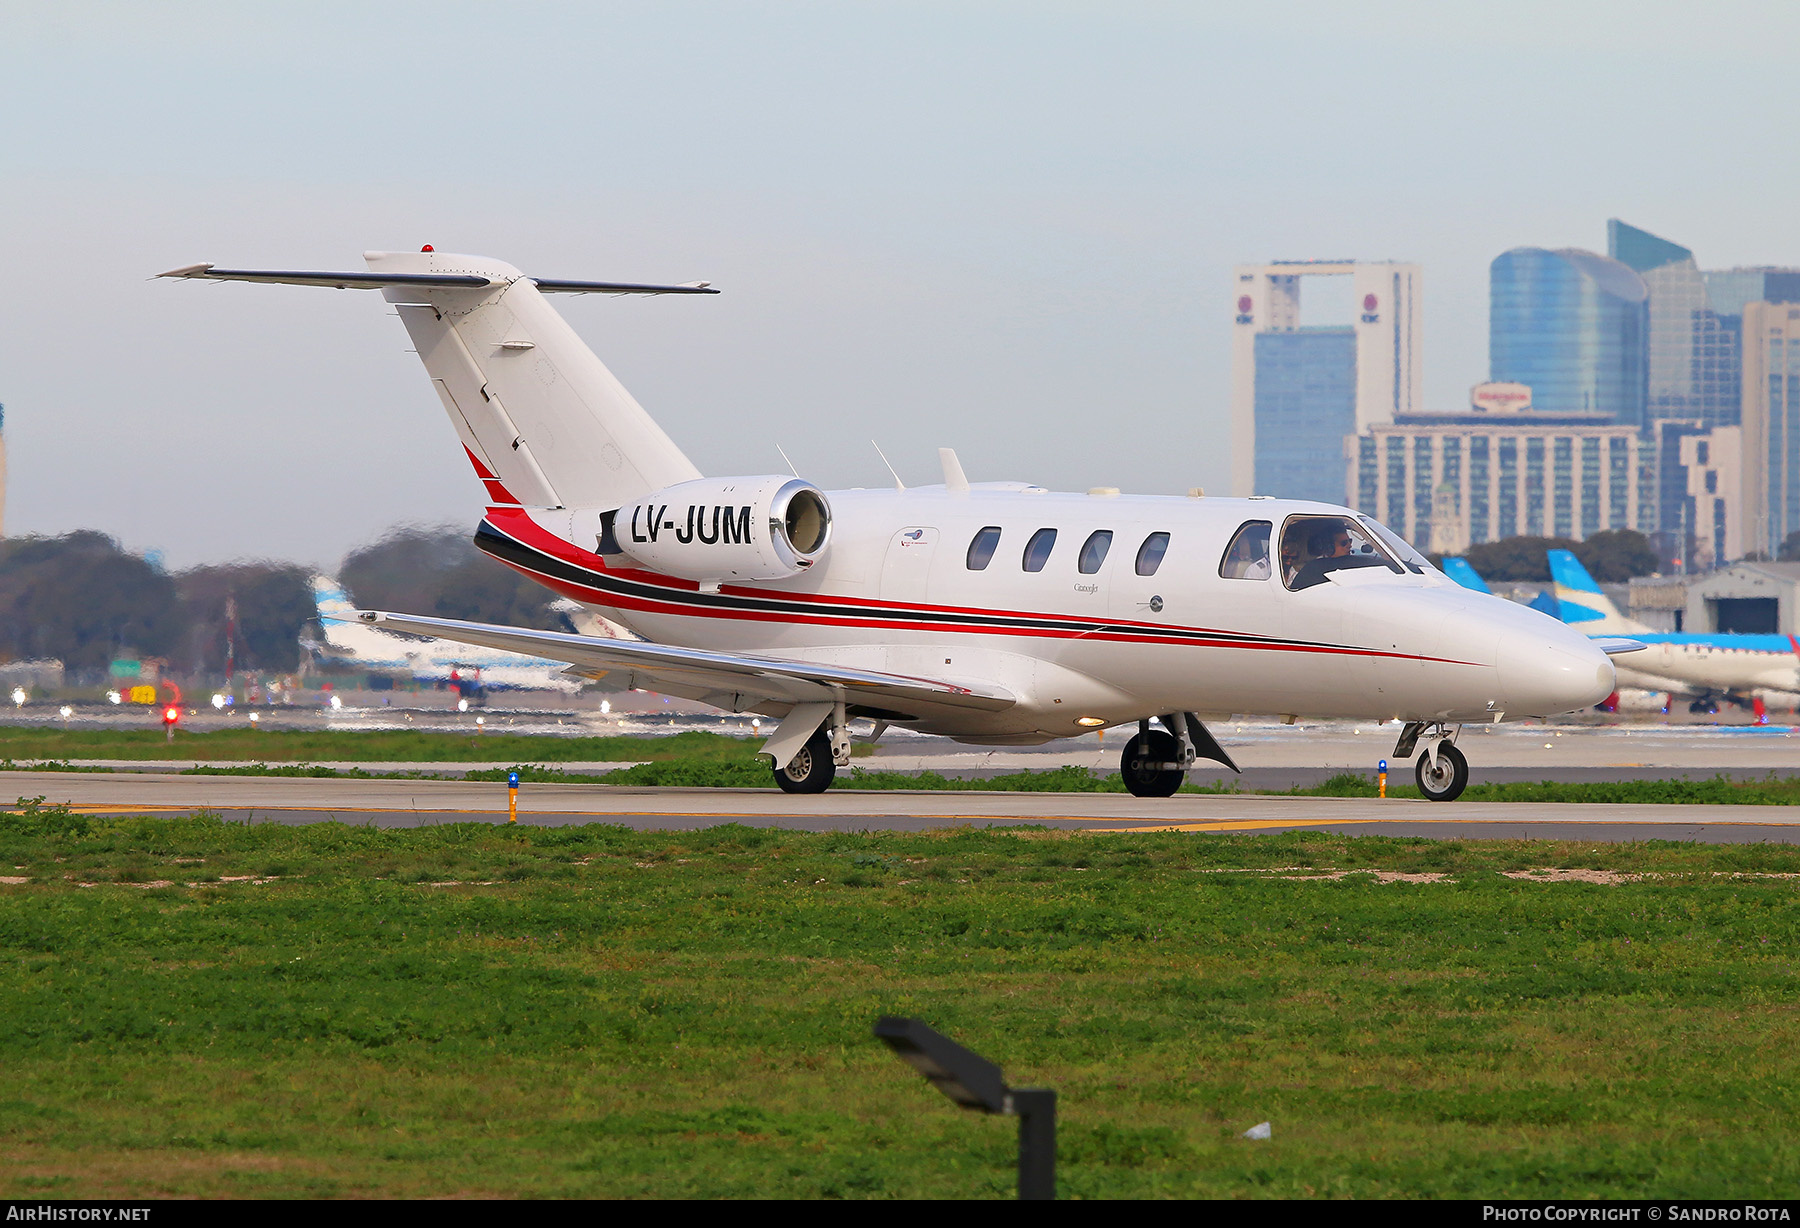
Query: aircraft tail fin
x: 1579, y: 600
x: 334, y: 604
x: 1458, y: 569
x: 543, y: 421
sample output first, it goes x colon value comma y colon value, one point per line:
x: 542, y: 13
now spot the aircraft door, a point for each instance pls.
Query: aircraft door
x: 906, y: 571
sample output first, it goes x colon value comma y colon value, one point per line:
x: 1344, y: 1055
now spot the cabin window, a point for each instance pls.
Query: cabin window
x: 1247, y: 557
x: 1312, y: 547
x: 1150, y: 554
x: 1037, y: 550
x: 981, y: 550
x: 1093, y: 551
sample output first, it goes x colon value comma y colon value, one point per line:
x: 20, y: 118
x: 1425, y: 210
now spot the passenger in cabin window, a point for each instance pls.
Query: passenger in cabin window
x: 1247, y: 558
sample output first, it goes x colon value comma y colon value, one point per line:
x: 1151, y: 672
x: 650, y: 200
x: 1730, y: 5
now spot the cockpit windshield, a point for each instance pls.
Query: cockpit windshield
x: 1312, y: 547
x: 1415, y: 562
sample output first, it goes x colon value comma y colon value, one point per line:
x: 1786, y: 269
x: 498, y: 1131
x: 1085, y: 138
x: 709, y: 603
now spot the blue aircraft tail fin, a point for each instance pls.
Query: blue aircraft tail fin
x: 1458, y: 569
x: 1579, y: 598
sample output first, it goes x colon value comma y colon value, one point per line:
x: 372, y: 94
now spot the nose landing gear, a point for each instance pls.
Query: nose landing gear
x: 1442, y: 771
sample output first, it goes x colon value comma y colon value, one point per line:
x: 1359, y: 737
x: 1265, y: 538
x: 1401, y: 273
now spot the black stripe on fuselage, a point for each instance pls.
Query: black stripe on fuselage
x: 510, y: 550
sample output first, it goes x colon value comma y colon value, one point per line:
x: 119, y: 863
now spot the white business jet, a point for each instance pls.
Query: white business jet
x: 995, y: 613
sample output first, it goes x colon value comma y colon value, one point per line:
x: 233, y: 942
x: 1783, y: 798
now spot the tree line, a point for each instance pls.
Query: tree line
x: 81, y: 599
x: 1612, y: 557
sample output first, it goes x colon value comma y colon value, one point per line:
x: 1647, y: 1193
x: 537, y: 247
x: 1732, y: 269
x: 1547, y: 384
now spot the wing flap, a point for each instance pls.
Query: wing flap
x: 777, y: 679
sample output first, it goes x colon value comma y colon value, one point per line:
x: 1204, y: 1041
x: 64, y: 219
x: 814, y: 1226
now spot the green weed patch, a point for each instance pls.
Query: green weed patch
x: 257, y: 1010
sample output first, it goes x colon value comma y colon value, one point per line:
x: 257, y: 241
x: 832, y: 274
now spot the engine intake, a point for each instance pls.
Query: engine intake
x: 715, y: 529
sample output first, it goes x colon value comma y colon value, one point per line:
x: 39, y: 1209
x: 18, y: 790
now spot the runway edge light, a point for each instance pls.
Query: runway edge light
x: 973, y: 1082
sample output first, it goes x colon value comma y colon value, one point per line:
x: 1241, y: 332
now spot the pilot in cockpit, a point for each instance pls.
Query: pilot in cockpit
x: 1330, y: 545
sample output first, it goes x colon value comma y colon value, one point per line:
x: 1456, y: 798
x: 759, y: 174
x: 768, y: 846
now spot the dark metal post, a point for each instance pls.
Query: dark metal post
x: 976, y: 1083
x: 1036, y: 1108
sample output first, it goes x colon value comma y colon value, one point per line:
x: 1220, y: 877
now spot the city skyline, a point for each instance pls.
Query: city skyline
x: 1000, y: 228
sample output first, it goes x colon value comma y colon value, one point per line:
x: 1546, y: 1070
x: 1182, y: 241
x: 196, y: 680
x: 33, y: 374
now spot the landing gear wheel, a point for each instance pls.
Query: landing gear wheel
x: 1158, y: 747
x: 1446, y: 782
x: 810, y: 771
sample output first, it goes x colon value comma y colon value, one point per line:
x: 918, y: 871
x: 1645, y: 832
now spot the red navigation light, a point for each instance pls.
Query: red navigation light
x: 428, y: 248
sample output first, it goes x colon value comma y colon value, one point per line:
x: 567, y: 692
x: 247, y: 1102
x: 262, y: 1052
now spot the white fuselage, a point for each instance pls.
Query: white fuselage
x: 894, y: 592
x: 1712, y: 663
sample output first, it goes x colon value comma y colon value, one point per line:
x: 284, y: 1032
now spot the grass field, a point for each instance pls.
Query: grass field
x: 472, y: 1010
x: 21, y: 742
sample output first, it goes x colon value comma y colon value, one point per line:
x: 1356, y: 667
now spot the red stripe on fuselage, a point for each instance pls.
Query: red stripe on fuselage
x: 519, y: 525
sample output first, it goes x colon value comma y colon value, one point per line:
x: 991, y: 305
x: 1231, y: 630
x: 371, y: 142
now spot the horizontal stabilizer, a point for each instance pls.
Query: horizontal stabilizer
x: 1613, y: 647
x: 556, y: 285
x: 338, y: 281
x: 750, y: 679
x: 422, y: 281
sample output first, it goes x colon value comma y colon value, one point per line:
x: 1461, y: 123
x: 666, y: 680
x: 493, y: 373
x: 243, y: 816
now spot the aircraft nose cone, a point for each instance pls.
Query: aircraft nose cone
x: 1549, y: 671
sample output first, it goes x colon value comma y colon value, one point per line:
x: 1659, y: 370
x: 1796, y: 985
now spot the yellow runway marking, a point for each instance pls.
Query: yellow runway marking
x: 1253, y: 824
x: 94, y: 808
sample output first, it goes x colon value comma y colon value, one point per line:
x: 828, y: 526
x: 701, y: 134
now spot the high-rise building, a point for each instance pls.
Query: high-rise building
x: 1730, y: 289
x: 1297, y: 390
x: 1771, y: 425
x: 1461, y: 479
x: 1572, y: 325
x: 1692, y: 357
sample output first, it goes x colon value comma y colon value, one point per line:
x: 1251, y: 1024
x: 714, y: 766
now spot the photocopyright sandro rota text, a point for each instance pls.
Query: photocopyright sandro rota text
x: 1651, y: 1212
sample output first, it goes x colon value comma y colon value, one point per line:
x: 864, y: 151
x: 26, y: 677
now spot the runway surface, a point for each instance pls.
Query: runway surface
x: 407, y: 803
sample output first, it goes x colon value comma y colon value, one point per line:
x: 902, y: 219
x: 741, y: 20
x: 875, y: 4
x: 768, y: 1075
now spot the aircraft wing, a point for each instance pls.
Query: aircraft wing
x: 738, y: 681
x: 1614, y: 646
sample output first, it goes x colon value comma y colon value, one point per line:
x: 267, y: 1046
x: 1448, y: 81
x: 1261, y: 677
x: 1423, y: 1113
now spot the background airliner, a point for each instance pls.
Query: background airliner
x: 345, y: 641
x: 1705, y: 666
x: 997, y: 613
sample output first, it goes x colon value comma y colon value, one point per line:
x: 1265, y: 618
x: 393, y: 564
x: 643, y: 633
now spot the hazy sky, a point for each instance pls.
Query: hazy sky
x: 1007, y: 228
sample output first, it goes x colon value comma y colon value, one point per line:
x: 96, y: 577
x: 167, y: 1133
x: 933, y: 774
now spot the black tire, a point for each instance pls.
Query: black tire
x: 1155, y: 746
x: 810, y: 771
x: 1451, y: 778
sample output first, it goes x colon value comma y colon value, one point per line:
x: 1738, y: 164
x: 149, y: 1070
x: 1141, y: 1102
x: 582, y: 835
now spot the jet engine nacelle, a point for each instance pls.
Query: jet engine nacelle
x: 714, y: 529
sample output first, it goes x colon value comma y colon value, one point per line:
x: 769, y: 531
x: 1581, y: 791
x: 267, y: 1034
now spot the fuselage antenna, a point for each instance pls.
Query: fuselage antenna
x: 898, y: 484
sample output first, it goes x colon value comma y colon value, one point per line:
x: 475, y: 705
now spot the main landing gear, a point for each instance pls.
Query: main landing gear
x: 1442, y: 771
x: 811, y: 769
x: 825, y: 728
x: 1156, y: 760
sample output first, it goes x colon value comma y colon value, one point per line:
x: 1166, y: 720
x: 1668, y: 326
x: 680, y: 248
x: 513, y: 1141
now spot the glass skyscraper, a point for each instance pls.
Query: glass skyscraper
x: 1574, y: 326
x: 1305, y: 406
x: 1693, y: 355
